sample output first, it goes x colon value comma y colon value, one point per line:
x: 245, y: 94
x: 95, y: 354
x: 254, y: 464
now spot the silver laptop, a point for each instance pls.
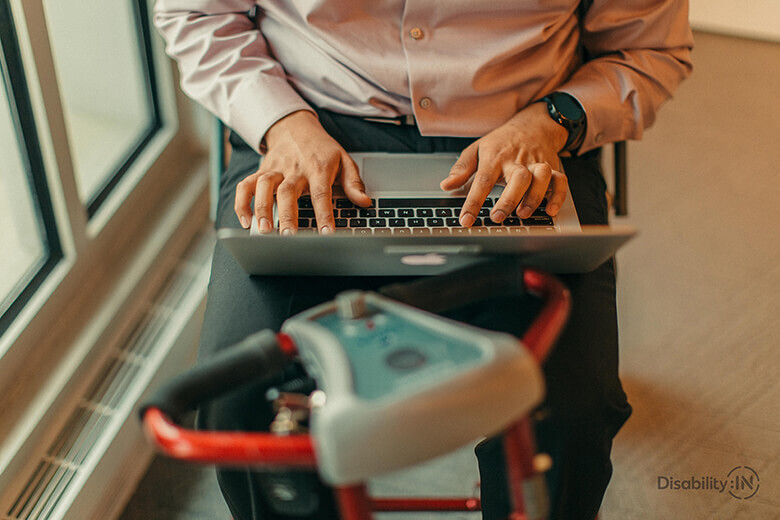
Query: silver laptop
x: 412, y: 228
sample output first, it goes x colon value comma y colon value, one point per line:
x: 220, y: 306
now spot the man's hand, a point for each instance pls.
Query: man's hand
x: 301, y: 157
x: 523, y: 155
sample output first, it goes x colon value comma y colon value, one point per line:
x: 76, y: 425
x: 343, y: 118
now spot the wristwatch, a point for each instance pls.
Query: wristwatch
x: 565, y: 110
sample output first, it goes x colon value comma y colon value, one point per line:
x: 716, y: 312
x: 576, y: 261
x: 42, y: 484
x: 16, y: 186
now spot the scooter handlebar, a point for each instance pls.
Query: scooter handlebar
x: 265, y: 354
x: 255, y: 358
x: 259, y: 356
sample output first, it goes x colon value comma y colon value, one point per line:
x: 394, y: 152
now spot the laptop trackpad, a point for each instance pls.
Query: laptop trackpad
x: 388, y: 172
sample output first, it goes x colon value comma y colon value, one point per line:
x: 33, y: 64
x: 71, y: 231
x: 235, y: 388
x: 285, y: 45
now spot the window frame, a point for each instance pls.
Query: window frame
x: 109, y: 260
x: 140, y: 13
x: 25, y: 132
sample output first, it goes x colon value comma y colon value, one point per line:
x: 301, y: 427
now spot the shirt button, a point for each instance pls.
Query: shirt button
x: 416, y: 33
x: 426, y: 102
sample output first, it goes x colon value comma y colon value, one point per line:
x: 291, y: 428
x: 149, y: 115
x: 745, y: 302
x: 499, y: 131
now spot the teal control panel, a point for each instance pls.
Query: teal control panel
x: 389, y: 354
x: 399, y: 385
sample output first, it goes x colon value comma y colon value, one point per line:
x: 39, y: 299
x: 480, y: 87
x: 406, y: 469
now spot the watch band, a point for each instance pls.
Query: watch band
x: 565, y: 110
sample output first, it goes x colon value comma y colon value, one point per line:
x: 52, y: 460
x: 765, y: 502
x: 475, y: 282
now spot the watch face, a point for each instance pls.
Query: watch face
x: 567, y: 106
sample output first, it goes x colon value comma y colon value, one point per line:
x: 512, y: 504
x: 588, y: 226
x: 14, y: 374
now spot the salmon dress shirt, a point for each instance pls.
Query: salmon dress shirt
x: 461, y: 67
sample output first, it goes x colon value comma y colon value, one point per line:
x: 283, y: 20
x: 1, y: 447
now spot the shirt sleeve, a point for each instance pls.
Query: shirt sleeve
x: 640, y: 52
x: 225, y: 64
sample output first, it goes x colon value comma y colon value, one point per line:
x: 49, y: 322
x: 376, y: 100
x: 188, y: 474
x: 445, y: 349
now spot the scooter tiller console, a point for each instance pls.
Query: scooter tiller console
x: 403, y: 385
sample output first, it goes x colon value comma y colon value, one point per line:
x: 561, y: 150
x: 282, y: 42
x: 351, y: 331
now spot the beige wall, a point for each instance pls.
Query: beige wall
x: 750, y: 18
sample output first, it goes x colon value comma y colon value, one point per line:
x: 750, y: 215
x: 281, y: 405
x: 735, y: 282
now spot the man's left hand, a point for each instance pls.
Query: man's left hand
x: 522, y: 154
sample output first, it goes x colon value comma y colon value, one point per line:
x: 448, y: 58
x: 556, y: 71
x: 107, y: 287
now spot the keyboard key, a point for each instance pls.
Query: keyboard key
x: 512, y: 221
x: 406, y: 212
x: 488, y: 203
x: 348, y: 213
x: 434, y: 222
x: 383, y: 231
x: 341, y: 222
x: 443, y: 212
x: 440, y: 231
x: 498, y: 231
x: 477, y: 222
x: 402, y: 231
x: 425, y: 212
x: 377, y: 222
x: 358, y: 222
x: 366, y: 213
x: 421, y: 231
x: 303, y: 222
x: 489, y: 222
x: 386, y: 213
x: 397, y: 222
x: 484, y: 212
x: 478, y: 231
x: 362, y: 231
x: 415, y: 222
x: 538, y: 221
x: 305, y: 213
x: 452, y: 222
x: 305, y: 202
x: 344, y: 203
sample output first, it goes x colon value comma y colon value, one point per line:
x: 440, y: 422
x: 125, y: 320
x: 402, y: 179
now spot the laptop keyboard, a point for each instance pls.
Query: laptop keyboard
x: 419, y: 216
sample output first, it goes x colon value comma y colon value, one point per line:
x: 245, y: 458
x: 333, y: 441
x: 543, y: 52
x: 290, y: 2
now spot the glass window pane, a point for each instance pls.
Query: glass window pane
x: 23, y: 248
x: 100, y: 59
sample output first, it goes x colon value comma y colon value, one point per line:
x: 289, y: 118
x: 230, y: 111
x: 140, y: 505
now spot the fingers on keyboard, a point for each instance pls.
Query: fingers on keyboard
x: 418, y: 216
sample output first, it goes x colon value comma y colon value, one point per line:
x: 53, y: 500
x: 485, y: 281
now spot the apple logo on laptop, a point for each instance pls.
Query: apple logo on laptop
x: 426, y: 259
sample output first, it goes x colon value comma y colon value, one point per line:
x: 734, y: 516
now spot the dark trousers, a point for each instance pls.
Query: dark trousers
x: 585, y: 404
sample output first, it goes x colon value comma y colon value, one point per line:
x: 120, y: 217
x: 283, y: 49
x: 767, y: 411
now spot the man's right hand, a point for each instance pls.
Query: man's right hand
x: 301, y: 158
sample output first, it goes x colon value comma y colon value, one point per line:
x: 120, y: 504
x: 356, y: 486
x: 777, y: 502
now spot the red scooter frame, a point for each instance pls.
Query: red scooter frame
x: 297, y: 450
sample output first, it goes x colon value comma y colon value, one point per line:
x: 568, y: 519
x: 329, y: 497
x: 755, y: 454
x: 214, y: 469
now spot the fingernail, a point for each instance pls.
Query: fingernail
x: 552, y: 209
x: 265, y: 225
x: 525, y: 212
x: 467, y: 219
x: 287, y: 232
x: 326, y: 230
x: 244, y: 222
x: 498, y: 216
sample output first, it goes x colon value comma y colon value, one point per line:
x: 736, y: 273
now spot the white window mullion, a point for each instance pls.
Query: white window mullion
x: 70, y: 219
x: 46, y: 101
